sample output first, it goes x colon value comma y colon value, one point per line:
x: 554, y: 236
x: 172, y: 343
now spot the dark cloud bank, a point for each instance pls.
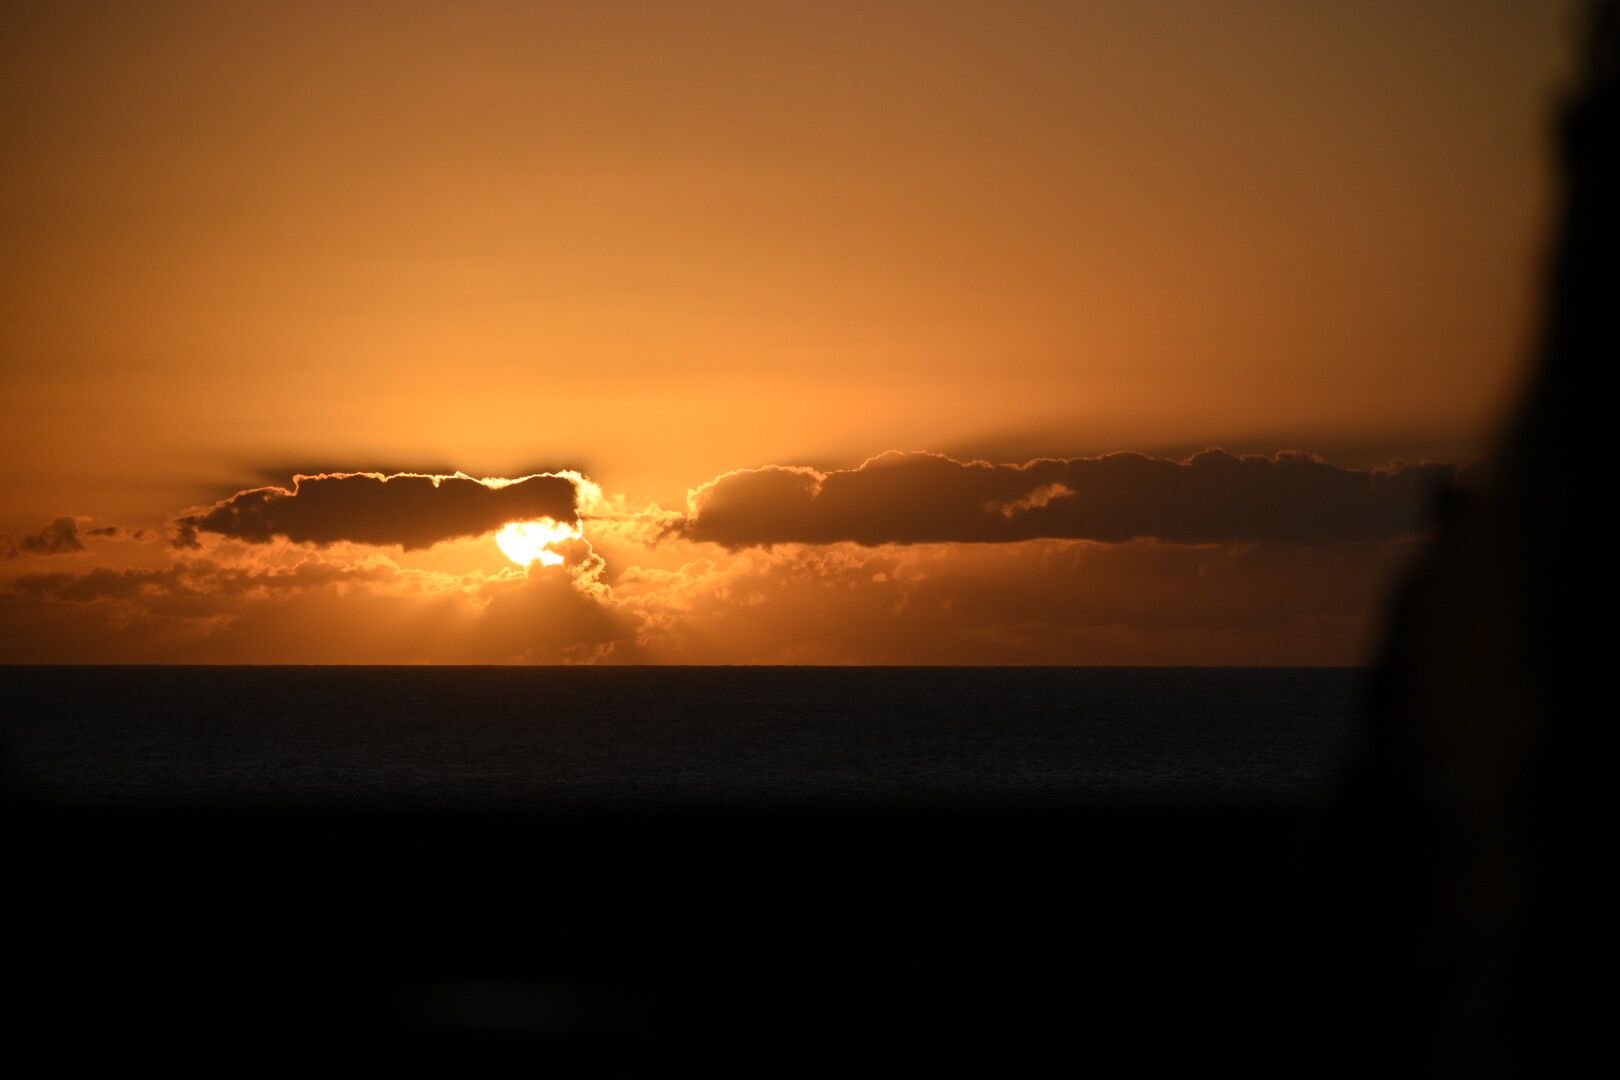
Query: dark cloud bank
x: 1212, y: 497
x: 60, y: 537
x: 408, y: 509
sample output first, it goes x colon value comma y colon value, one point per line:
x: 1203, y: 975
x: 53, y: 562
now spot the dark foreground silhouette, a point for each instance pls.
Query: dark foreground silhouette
x: 260, y: 942
x: 1439, y: 917
x: 1484, y: 804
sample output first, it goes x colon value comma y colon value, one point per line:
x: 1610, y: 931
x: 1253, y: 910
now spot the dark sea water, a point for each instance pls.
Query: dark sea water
x: 537, y: 737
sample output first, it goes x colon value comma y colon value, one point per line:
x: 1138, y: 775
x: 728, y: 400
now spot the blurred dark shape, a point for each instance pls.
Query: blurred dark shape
x: 1481, y: 800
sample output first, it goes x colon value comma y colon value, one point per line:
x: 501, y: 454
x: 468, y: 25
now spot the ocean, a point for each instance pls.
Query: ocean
x: 545, y: 738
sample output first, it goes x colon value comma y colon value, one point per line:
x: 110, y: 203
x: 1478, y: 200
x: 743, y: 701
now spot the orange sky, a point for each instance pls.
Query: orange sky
x: 659, y: 243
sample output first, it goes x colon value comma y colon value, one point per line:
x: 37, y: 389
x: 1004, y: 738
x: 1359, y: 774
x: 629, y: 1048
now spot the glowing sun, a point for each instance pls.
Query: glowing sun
x: 525, y: 542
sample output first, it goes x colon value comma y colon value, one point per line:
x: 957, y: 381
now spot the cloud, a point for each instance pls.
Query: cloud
x: 194, y: 579
x: 60, y: 537
x: 1030, y: 602
x: 411, y: 510
x: 1212, y: 497
x: 907, y: 559
x: 324, y: 607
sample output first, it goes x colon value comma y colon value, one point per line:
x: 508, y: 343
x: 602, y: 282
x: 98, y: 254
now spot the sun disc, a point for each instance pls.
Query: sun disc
x: 526, y: 542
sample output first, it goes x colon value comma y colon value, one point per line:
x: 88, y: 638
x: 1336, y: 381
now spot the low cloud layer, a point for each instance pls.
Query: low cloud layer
x: 906, y: 559
x: 1043, y: 601
x: 408, y: 509
x: 311, y: 606
x: 1212, y: 497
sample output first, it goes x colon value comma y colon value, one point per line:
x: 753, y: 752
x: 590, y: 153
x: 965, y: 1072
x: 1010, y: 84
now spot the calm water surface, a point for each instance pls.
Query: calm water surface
x: 595, y: 736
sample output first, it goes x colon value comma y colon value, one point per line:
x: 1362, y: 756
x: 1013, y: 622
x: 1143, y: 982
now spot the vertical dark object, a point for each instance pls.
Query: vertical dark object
x: 1482, y: 796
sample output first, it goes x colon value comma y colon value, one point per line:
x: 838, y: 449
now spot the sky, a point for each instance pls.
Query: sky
x: 812, y: 333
